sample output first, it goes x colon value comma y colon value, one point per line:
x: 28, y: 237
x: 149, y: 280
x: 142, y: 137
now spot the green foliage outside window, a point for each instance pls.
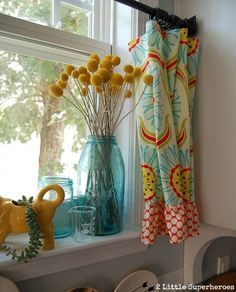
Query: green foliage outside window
x: 26, y: 107
x: 32, y: 10
x: 74, y: 20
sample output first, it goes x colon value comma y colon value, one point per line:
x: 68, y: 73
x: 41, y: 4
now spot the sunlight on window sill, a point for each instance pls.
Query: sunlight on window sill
x: 70, y: 255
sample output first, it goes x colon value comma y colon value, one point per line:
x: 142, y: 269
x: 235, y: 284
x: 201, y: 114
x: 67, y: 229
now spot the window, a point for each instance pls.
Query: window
x: 69, y: 15
x: 75, y: 19
x: 36, y: 42
x: 39, y: 135
x: 18, y: 39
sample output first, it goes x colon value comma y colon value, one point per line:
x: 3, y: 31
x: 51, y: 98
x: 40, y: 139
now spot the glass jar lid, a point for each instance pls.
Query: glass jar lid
x: 57, y: 179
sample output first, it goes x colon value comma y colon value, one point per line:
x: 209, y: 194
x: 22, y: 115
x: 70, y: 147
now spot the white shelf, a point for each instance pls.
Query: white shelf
x: 69, y: 254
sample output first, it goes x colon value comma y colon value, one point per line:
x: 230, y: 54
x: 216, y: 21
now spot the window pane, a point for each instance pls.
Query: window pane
x: 38, y: 11
x: 74, y: 20
x: 39, y: 135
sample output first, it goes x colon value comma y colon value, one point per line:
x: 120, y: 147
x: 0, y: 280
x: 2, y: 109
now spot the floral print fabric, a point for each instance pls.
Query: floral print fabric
x: 165, y: 134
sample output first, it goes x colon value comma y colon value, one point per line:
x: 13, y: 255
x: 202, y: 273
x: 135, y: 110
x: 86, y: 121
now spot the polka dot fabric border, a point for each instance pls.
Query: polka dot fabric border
x: 178, y: 222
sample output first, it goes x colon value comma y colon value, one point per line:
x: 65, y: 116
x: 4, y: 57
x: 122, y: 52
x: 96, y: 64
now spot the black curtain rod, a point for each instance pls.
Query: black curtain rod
x: 165, y: 19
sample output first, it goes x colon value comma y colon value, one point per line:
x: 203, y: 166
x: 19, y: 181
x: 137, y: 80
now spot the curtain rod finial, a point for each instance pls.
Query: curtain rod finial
x: 192, y: 25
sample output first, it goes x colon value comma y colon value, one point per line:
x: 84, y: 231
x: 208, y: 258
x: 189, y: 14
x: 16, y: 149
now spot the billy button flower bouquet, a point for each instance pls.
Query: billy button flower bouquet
x: 100, y: 98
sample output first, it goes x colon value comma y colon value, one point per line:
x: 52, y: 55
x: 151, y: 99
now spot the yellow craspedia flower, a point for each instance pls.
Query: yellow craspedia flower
x: 116, y: 79
x: 108, y: 57
x: 128, y: 68
x: 96, y: 80
x: 84, y: 91
x: 137, y: 72
x: 82, y: 70
x: 92, y: 65
x: 55, y: 90
x: 89, y: 77
x: 61, y: 84
x: 148, y: 79
x: 115, y: 60
x: 128, y: 93
x: 83, y: 78
x: 129, y: 78
x: 98, y: 89
x: 104, y: 73
x: 75, y: 73
x: 95, y: 56
x: 106, y: 64
x: 114, y: 89
x: 69, y: 69
x: 64, y: 76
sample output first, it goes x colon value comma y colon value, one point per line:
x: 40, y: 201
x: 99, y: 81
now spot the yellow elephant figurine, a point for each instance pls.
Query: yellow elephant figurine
x: 12, y: 216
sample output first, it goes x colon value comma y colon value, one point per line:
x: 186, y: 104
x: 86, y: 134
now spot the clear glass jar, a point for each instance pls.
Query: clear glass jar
x: 62, y: 220
x: 101, y: 178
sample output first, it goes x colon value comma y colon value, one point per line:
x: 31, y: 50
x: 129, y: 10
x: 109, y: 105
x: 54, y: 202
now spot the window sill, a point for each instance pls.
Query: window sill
x: 70, y: 255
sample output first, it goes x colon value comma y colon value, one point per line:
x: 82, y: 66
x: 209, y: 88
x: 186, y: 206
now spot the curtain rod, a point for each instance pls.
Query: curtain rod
x: 165, y: 19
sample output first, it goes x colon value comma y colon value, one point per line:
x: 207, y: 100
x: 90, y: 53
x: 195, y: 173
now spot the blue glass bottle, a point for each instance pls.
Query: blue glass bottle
x: 62, y: 220
x: 101, y: 178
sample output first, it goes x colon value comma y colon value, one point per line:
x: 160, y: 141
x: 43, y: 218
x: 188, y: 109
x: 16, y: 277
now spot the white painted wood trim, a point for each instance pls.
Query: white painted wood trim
x: 126, y: 30
x: 50, y: 37
x: 103, y: 20
x: 69, y: 255
x: 80, y: 4
x: 56, y: 13
x: 57, y: 54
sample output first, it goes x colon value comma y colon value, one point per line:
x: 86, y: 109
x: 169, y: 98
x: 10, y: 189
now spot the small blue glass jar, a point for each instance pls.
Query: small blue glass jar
x: 61, y: 221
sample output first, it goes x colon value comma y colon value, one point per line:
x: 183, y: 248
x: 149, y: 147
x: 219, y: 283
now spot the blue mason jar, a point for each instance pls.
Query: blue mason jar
x: 101, y: 178
x: 62, y: 220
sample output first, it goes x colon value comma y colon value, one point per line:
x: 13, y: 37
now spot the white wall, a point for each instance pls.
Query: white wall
x: 215, y: 109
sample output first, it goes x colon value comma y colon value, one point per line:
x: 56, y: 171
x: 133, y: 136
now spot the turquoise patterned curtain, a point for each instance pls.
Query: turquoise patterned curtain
x: 165, y: 132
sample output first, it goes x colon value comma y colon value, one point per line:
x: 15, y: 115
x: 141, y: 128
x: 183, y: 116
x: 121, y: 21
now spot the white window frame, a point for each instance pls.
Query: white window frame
x: 20, y: 36
x: 99, y: 17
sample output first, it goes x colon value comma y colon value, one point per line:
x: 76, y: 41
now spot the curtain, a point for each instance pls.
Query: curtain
x: 165, y: 132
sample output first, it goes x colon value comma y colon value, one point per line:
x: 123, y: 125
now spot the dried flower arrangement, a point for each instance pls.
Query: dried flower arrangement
x: 101, y: 91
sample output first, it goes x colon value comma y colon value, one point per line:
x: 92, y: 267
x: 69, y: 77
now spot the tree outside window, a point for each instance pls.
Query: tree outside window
x: 27, y: 111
